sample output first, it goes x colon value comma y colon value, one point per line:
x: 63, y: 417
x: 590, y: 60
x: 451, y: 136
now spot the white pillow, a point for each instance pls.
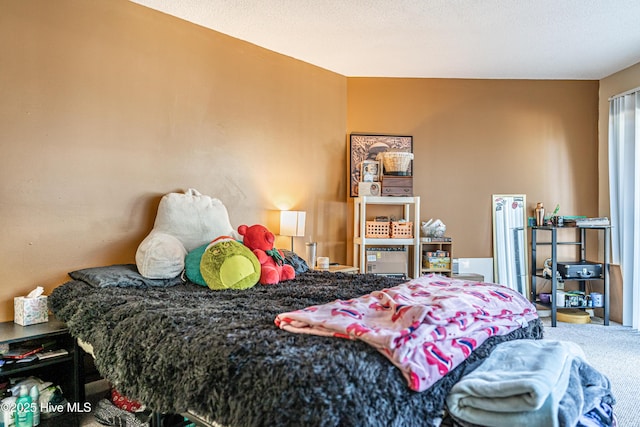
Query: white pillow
x: 183, y: 223
x: 160, y: 256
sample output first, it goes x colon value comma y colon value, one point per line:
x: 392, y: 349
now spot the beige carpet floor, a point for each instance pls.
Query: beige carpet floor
x: 613, y: 350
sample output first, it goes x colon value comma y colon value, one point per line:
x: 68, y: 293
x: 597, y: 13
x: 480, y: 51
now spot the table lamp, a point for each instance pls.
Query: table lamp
x: 292, y: 224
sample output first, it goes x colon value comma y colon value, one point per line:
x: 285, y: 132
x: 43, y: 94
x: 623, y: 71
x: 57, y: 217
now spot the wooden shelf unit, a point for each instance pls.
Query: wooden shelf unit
x: 411, y: 211
x: 428, y: 246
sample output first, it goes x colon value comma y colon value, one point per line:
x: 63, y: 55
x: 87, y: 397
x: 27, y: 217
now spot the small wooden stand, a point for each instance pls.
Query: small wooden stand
x: 393, y: 185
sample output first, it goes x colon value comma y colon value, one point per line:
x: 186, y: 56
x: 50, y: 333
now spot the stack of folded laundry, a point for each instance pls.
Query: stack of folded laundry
x: 533, y: 383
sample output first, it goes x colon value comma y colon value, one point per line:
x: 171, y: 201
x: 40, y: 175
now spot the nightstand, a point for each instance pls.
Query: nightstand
x: 339, y: 269
x: 62, y: 370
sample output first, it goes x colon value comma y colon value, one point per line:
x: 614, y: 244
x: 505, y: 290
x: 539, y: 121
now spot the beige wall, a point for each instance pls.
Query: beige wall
x: 106, y: 105
x: 475, y: 138
x: 615, y: 84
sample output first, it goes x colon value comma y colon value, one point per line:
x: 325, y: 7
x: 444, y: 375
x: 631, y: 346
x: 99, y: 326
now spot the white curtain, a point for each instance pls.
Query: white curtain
x: 624, y: 189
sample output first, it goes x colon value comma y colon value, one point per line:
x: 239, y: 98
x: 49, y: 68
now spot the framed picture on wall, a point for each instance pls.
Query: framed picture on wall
x: 367, y: 147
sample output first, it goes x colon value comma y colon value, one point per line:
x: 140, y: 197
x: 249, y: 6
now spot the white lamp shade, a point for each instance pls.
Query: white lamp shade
x: 292, y: 223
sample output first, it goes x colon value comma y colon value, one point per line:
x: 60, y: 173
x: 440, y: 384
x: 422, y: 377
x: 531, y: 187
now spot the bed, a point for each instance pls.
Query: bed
x: 217, y: 356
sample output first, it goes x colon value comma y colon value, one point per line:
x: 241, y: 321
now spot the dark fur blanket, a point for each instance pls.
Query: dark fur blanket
x: 219, y: 354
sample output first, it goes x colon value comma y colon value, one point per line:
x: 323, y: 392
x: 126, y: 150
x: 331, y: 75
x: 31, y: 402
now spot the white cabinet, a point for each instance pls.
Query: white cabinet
x: 411, y: 212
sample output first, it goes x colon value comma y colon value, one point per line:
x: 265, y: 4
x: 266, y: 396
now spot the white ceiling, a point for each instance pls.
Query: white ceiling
x: 488, y: 39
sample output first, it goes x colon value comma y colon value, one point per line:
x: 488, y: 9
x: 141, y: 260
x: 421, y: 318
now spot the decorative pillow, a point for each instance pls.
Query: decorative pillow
x: 119, y: 275
x: 193, y: 218
x: 294, y: 260
x: 160, y: 256
x: 192, y: 265
x: 228, y: 264
x: 183, y: 223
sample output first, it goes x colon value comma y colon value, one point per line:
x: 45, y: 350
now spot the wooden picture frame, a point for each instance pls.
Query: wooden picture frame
x: 366, y: 147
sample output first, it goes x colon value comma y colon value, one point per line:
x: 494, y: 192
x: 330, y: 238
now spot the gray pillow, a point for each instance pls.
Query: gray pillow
x: 294, y: 260
x: 120, y: 275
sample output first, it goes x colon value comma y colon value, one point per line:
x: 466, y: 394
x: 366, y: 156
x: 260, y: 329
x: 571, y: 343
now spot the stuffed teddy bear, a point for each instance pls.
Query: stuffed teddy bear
x: 224, y: 263
x: 183, y: 223
x: 260, y: 241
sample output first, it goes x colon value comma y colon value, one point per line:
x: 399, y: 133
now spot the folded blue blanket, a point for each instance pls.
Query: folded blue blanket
x: 529, y: 383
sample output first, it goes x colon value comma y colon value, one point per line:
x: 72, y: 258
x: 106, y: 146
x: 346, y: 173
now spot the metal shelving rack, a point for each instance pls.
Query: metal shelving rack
x: 536, y: 273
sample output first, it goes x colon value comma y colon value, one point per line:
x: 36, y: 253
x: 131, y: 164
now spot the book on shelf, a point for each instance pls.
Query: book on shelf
x: 27, y: 359
x: 21, y: 352
x: 52, y: 353
x: 592, y: 222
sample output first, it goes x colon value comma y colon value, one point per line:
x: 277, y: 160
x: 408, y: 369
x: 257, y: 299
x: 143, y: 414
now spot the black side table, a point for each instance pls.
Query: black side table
x: 65, y: 370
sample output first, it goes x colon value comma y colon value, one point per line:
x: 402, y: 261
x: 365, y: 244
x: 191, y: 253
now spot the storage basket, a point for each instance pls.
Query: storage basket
x: 402, y: 229
x: 377, y: 229
x: 395, y: 162
x: 436, y: 263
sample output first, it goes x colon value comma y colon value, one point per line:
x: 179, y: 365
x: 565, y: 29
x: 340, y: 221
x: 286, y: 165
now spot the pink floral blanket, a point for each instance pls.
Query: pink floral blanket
x: 426, y: 327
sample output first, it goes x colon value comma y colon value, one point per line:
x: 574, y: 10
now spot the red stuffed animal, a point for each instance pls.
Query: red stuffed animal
x: 260, y: 241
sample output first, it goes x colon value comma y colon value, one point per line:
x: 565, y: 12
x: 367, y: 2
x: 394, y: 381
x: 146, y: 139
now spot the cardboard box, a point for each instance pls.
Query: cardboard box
x: 433, y: 254
x: 29, y: 311
x: 387, y: 261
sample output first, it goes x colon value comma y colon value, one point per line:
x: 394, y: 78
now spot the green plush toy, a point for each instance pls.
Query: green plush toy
x: 228, y: 264
x: 192, y: 265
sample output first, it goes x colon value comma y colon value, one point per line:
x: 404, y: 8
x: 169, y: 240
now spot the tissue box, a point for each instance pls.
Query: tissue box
x: 29, y: 311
